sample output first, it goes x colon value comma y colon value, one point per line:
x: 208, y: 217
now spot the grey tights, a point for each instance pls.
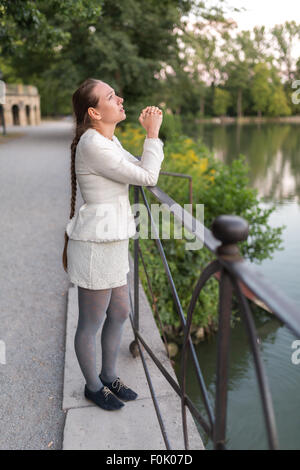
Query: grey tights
x: 93, y: 305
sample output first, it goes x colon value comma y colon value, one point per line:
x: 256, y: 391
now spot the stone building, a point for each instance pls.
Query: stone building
x: 21, y: 105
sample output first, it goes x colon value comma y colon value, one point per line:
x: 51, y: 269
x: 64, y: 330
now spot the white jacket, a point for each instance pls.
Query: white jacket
x: 104, y: 170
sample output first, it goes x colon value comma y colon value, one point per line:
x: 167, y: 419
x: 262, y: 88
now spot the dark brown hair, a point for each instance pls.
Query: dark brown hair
x: 82, y: 99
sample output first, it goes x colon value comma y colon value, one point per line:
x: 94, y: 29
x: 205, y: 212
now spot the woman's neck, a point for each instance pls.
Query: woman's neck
x: 108, y: 133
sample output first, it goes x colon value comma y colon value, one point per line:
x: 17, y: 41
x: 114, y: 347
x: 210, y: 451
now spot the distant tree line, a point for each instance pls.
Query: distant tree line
x: 243, y: 72
x: 149, y: 53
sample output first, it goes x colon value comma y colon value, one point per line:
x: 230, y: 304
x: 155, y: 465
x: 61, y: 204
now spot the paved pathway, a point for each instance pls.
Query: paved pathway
x: 34, y: 207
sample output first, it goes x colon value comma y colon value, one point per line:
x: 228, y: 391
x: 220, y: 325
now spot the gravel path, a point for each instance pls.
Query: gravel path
x: 35, y: 206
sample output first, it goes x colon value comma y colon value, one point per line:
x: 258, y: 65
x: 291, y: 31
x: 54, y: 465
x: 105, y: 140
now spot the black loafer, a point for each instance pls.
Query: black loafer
x: 103, y: 398
x: 120, y: 389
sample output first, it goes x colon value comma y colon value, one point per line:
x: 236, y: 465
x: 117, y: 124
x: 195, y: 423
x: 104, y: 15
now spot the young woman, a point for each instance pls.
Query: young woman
x: 96, y: 239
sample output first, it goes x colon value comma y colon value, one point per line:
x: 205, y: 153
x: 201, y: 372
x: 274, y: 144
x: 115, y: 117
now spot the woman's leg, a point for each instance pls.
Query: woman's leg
x: 117, y: 312
x: 92, y: 309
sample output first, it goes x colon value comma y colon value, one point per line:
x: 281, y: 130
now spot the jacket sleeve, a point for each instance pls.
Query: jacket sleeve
x: 129, y: 155
x: 131, y: 158
x: 109, y: 161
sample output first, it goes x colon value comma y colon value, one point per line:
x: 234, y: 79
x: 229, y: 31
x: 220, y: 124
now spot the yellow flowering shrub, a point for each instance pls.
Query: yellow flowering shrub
x: 186, y: 159
x: 132, y: 138
x: 223, y: 189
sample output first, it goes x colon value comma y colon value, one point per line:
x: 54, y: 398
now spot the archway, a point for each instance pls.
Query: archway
x: 15, y: 113
x: 35, y: 114
x: 28, y: 114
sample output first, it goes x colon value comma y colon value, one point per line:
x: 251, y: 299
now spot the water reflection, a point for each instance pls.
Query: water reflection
x: 245, y: 421
x: 272, y: 152
x: 273, y: 155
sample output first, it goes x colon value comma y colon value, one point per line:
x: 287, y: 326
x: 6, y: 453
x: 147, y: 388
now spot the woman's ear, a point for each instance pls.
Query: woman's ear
x: 94, y: 114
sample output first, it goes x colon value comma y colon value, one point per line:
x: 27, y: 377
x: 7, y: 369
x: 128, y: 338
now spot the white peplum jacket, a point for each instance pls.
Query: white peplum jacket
x: 104, y: 170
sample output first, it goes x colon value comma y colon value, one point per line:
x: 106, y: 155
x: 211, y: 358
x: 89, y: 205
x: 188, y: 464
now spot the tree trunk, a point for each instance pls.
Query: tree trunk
x: 238, y: 136
x: 202, y: 106
x: 239, y: 103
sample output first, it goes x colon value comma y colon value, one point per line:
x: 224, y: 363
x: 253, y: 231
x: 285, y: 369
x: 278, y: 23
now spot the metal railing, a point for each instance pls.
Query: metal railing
x: 235, y: 274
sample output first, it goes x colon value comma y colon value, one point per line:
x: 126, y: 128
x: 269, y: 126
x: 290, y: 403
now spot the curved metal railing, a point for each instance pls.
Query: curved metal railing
x: 235, y: 274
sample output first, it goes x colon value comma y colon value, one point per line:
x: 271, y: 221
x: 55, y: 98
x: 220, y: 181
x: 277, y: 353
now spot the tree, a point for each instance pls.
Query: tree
x: 34, y: 37
x: 31, y: 33
x: 293, y: 92
x: 222, y: 101
x: 240, y: 57
x: 109, y: 40
x: 261, y: 88
x: 201, y: 48
x: 285, y: 38
x: 278, y: 105
x: 238, y: 81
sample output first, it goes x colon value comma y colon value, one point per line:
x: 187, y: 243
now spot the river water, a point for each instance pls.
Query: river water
x: 273, y: 154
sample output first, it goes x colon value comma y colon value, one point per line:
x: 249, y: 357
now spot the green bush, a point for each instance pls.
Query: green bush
x: 171, y: 126
x: 223, y: 189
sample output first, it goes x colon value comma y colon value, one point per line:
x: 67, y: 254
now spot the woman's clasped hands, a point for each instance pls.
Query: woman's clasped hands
x: 151, y: 119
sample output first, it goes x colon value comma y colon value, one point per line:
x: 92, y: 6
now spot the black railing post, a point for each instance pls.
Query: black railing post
x: 133, y: 347
x: 229, y: 230
x: 136, y: 266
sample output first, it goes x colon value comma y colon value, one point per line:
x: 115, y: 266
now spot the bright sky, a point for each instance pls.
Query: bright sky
x: 262, y: 12
x: 265, y: 12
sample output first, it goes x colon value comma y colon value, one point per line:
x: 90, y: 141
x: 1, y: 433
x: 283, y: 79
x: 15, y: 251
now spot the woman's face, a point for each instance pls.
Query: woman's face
x: 109, y: 109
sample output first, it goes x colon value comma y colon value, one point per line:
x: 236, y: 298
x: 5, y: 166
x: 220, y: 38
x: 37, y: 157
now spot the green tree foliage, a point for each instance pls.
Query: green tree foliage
x: 32, y: 33
x: 34, y: 40
x: 149, y: 52
x: 242, y: 54
x: 278, y: 105
x: 223, y: 189
x: 63, y: 42
x: 222, y: 100
x: 285, y: 37
x: 201, y: 48
x: 292, y: 91
x: 261, y: 88
x: 230, y: 61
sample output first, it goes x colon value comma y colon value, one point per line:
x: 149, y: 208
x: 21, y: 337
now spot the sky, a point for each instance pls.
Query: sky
x: 265, y: 12
x: 262, y: 12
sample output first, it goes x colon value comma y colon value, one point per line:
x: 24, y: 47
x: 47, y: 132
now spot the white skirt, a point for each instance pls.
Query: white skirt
x: 98, y: 265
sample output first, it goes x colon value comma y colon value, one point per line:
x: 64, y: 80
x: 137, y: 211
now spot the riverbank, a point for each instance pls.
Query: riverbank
x: 199, y: 334
x: 249, y: 120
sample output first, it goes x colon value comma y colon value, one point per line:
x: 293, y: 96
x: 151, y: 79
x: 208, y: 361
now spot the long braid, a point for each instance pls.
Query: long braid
x: 79, y: 133
x: 73, y: 174
x: 82, y: 99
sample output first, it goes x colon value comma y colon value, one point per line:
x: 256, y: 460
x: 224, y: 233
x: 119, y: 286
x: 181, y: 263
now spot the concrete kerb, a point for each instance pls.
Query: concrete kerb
x: 135, y: 426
